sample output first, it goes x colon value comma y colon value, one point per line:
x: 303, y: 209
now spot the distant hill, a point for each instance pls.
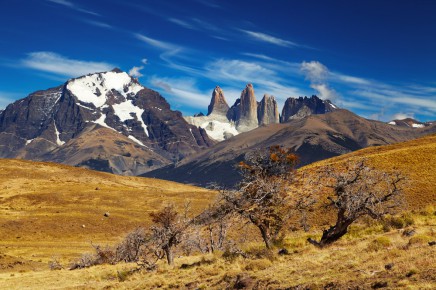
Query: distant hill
x: 314, y: 137
x: 415, y: 159
x: 50, y: 206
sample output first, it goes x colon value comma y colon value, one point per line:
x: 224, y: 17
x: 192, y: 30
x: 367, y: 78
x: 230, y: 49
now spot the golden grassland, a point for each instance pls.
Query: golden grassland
x: 359, y: 260
x: 49, y: 210
x: 415, y: 159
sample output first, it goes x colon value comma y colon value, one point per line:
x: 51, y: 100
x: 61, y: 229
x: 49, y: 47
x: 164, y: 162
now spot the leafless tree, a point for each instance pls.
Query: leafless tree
x: 357, y: 191
x: 132, y: 247
x: 167, y: 230
x: 262, y: 196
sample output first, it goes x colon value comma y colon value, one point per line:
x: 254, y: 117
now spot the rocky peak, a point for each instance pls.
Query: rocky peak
x: 297, y: 108
x: 218, y: 104
x: 248, y: 110
x: 267, y: 111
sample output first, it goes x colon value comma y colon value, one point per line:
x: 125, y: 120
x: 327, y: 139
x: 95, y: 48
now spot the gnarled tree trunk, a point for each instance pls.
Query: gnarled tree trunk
x: 169, y: 254
x: 335, y: 232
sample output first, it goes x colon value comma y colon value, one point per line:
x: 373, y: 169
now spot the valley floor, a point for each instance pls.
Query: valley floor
x: 360, y: 261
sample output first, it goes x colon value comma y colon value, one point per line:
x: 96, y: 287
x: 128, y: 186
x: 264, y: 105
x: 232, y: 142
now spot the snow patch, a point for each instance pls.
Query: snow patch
x: 217, y: 130
x: 101, y: 121
x: 58, y: 140
x: 126, y: 110
x: 88, y: 108
x: 190, y: 130
x: 216, y: 126
x: 392, y: 123
x: 94, y: 88
x: 29, y: 141
x: 136, y: 140
x: 418, y: 125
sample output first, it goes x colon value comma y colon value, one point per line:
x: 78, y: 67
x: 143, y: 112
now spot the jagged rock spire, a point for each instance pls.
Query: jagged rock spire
x: 218, y: 103
x: 248, y: 110
x: 267, y: 111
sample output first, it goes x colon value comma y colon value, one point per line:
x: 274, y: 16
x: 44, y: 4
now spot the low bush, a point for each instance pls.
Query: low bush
x: 379, y: 243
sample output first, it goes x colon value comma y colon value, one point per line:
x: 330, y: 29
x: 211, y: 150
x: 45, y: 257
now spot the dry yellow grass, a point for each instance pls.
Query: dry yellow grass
x: 352, y: 262
x: 415, y: 159
x: 51, y: 210
x: 48, y: 209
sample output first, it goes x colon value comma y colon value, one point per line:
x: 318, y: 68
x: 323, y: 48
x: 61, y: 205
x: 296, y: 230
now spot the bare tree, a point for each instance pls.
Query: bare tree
x: 358, y: 191
x: 167, y: 230
x: 262, y: 196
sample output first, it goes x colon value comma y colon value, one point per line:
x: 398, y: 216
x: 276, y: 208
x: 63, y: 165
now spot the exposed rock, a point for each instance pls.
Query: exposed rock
x: 247, y: 119
x: 218, y: 104
x: 302, y: 107
x: 267, y: 111
x: 132, y: 129
x: 389, y: 266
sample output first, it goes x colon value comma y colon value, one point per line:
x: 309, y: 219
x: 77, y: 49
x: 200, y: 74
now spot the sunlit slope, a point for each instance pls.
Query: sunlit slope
x: 50, y: 209
x: 415, y: 159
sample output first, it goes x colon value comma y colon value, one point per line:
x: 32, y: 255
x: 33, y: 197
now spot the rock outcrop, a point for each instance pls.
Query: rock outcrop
x: 298, y: 108
x: 218, y: 104
x: 64, y: 124
x: 247, y: 117
x: 267, y: 111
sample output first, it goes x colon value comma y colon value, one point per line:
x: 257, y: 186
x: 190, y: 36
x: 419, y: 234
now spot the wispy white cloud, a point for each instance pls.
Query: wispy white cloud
x: 7, y: 98
x: 208, y: 3
x: 402, y: 116
x: 73, y: 6
x: 98, y: 23
x: 136, y: 70
x: 182, y: 91
x: 57, y: 64
x: 317, y: 74
x: 155, y: 43
x: 260, y: 36
x: 182, y: 23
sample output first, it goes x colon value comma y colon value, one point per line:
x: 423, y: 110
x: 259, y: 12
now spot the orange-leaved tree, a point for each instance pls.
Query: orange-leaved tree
x: 262, y: 196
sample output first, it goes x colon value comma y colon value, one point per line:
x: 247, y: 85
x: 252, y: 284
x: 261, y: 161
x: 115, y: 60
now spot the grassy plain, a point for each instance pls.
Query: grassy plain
x: 49, y: 210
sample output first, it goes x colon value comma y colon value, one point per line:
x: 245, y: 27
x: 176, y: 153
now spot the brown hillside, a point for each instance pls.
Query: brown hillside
x: 415, y: 159
x: 58, y: 210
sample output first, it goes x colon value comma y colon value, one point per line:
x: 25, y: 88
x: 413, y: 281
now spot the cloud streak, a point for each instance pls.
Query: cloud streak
x: 155, y: 43
x: 73, y: 6
x: 263, y: 37
x: 57, y: 64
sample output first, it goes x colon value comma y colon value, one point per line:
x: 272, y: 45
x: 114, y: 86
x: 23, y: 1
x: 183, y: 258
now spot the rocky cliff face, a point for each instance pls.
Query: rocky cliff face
x: 218, y: 104
x: 38, y: 126
x: 298, y: 108
x: 247, y: 117
x: 267, y: 111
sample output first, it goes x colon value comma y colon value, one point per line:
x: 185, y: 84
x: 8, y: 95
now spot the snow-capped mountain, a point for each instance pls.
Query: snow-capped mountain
x: 121, y: 126
x: 409, y: 122
x: 223, y: 122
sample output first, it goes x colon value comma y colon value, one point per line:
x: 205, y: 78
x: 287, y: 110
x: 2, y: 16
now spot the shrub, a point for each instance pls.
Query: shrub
x: 398, y: 222
x: 419, y: 240
x: 54, y: 264
x: 379, y: 243
x: 260, y: 264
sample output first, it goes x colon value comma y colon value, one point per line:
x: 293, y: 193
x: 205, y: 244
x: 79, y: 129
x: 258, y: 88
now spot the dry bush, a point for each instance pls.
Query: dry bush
x: 357, y: 191
x: 55, y: 264
x: 132, y: 247
x: 379, y: 243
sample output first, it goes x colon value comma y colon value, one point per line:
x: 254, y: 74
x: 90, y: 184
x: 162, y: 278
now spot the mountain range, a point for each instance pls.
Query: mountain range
x: 105, y: 121
x: 109, y: 122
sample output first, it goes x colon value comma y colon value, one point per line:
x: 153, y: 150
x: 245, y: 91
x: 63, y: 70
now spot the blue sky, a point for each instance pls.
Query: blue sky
x: 375, y: 58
